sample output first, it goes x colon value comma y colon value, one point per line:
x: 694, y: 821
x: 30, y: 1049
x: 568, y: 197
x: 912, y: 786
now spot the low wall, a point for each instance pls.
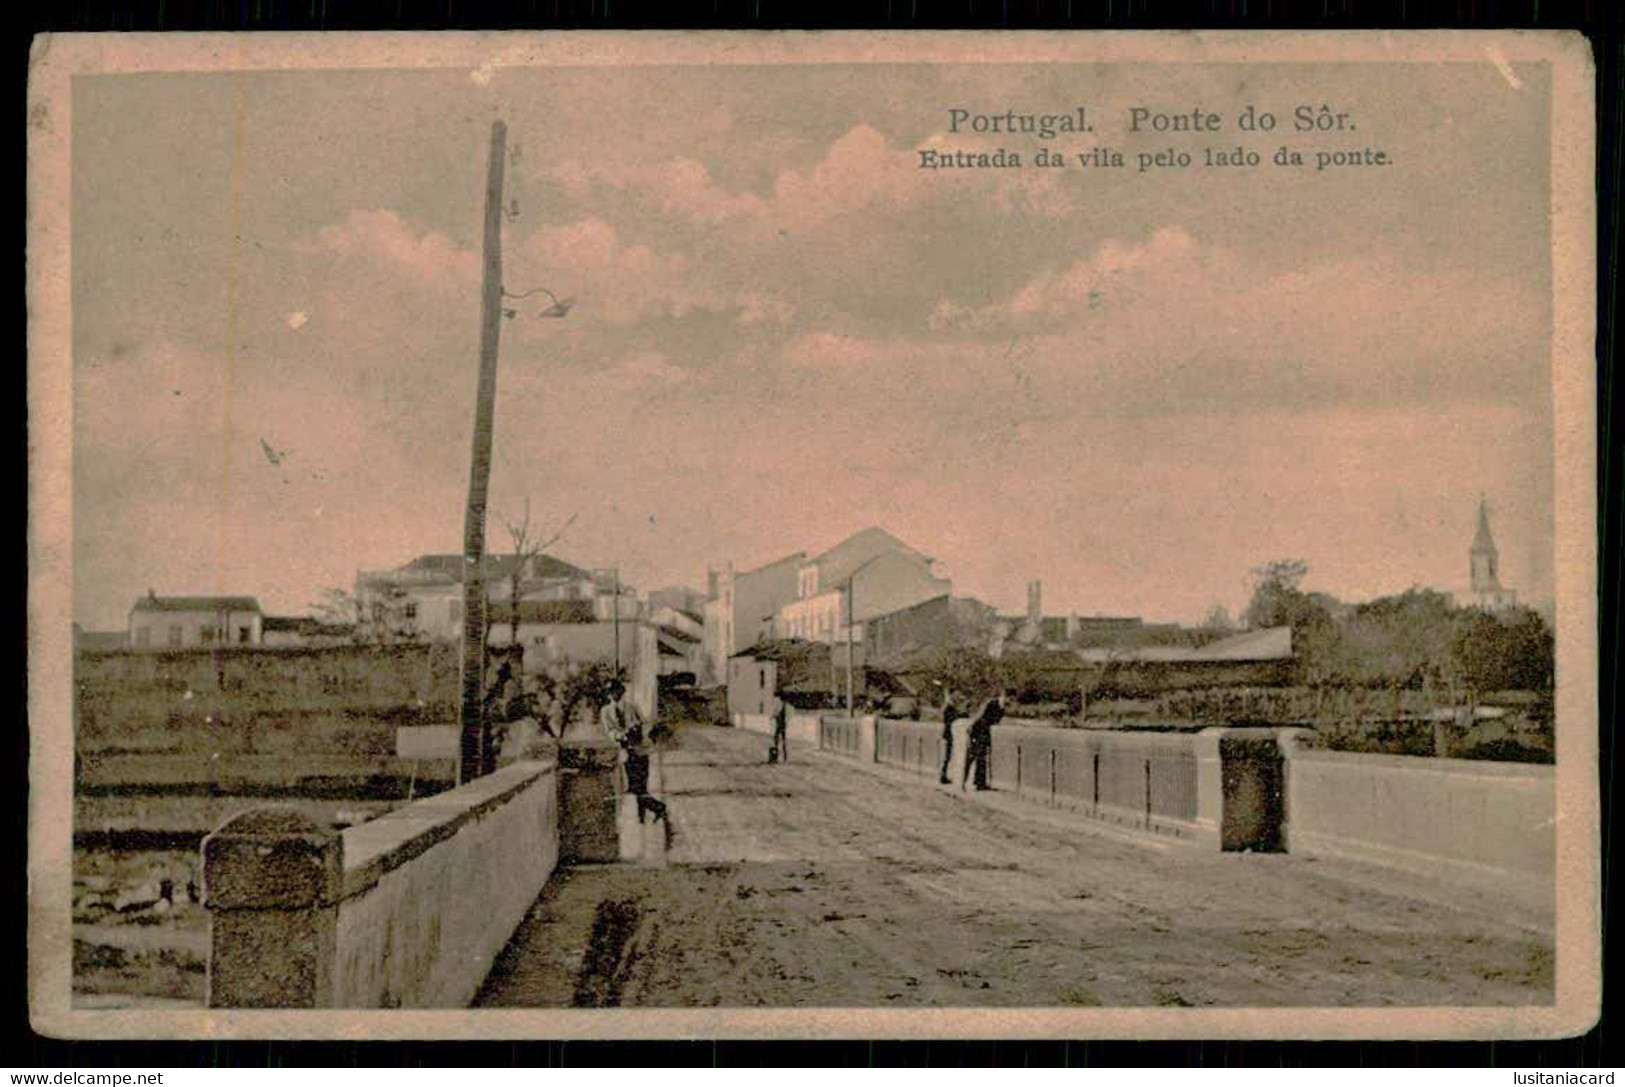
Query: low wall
x: 854, y: 737
x: 409, y: 910
x: 1479, y: 823
x: 1150, y: 781
x: 916, y: 746
x: 1492, y: 824
x: 800, y: 729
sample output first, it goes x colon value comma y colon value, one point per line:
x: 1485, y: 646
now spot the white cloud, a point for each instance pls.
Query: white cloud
x: 382, y: 237
x: 862, y: 169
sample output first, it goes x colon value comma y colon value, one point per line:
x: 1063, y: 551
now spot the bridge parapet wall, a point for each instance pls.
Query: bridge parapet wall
x: 1166, y: 784
x: 1264, y: 790
x: 1488, y: 824
x: 1219, y: 787
x: 855, y: 737
x: 409, y: 910
x: 754, y: 722
x: 800, y: 729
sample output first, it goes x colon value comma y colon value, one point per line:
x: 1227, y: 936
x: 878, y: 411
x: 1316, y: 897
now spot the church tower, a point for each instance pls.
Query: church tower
x: 1483, y: 573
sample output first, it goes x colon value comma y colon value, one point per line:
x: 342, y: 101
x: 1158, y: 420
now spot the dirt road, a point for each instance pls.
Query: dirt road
x: 822, y: 884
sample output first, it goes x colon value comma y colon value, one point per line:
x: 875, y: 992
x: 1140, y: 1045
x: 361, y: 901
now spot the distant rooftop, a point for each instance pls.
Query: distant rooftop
x: 451, y: 567
x: 843, y: 560
x: 1269, y: 644
x: 153, y: 602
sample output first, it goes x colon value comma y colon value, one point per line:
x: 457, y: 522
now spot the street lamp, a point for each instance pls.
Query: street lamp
x: 851, y: 621
x: 475, y: 757
x: 559, y: 308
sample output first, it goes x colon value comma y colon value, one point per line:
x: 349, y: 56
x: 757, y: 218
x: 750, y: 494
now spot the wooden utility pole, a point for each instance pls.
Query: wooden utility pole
x: 475, y: 755
x: 849, y: 645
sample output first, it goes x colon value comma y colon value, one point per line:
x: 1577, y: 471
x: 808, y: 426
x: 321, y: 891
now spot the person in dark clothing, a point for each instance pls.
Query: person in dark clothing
x: 624, y: 724
x: 497, y: 695
x: 980, y: 742
x: 780, y: 749
x: 950, y: 714
x: 637, y: 775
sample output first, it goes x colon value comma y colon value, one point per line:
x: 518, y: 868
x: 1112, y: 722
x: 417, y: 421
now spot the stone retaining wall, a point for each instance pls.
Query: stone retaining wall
x: 409, y: 910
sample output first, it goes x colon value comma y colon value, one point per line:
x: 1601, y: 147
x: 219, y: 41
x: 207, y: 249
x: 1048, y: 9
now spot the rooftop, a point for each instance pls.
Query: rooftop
x: 451, y: 567
x: 843, y: 560
x: 154, y: 602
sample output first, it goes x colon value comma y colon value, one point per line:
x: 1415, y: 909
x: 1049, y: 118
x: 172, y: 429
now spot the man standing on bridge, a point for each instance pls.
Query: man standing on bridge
x: 623, y: 721
x: 980, y: 744
x: 780, y: 750
x: 950, y: 714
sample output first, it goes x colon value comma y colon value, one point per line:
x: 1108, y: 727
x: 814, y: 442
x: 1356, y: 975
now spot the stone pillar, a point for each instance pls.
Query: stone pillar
x: 588, y: 832
x: 1288, y: 740
x: 1255, y: 783
x: 1209, y: 787
x: 272, y: 880
x: 867, y: 748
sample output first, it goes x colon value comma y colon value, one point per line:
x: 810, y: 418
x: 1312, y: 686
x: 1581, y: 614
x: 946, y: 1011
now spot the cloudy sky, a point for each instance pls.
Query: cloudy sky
x: 1133, y: 386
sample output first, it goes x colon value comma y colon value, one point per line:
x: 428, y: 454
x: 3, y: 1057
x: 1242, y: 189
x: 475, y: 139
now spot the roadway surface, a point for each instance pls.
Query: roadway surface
x: 820, y: 883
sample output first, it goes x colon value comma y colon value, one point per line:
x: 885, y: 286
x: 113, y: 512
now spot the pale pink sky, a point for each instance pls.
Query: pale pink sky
x: 1134, y: 387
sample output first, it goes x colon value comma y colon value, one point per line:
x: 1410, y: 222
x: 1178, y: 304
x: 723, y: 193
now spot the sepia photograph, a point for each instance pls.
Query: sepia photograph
x: 764, y: 535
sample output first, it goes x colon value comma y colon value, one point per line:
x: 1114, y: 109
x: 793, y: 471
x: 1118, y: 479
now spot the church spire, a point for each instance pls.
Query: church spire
x: 1482, y: 541
x: 1486, y: 581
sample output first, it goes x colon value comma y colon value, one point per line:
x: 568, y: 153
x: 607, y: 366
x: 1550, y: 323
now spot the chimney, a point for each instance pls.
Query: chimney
x: 1035, y: 605
x: 1072, y: 625
x: 712, y: 583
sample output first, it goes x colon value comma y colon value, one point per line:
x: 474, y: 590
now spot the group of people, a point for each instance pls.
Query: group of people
x: 978, y: 740
x: 508, y: 705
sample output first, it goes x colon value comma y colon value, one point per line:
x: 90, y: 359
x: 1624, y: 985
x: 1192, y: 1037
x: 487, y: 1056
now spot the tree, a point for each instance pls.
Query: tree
x: 1218, y: 620
x: 1401, y: 641
x: 1508, y: 651
x: 525, y: 549
x: 382, y: 620
x: 337, y: 606
x: 584, y: 686
x: 1278, y: 601
x: 970, y: 673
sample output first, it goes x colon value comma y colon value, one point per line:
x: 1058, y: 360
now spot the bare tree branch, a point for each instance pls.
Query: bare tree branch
x: 525, y: 548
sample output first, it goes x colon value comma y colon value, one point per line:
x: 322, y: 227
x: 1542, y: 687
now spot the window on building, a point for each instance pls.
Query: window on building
x: 411, y: 611
x: 243, y: 634
x: 207, y: 634
x: 175, y: 634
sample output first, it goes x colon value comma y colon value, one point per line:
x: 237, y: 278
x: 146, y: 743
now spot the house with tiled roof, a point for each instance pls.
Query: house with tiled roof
x: 869, y: 574
x: 423, y: 599
x: 191, y: 622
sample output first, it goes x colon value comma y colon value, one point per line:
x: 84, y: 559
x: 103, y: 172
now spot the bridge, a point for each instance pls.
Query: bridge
x: 1228, y: 868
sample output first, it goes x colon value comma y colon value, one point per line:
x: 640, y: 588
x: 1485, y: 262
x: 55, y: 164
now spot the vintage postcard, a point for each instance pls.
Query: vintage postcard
x: 748, y: 535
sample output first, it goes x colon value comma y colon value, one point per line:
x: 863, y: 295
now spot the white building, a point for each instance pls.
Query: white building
x: 190, y: 622
x: 872, y: 571
x: 424, y: 598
